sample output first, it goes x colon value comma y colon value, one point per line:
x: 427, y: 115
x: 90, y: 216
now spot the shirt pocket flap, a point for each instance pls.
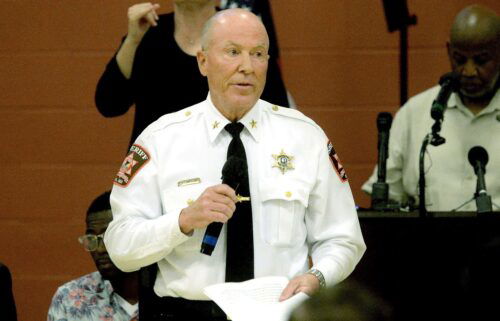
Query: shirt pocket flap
x: 286, y: 191
x: 283, y: 205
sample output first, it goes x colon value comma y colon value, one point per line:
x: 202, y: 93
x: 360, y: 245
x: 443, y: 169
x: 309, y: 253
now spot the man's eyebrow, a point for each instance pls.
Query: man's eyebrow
x: 483, y: 54
x: 263, y: 46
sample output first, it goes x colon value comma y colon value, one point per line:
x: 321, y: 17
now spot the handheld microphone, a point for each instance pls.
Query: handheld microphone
x: 478, y: 158
x: 233, y: 172
x: 449, y: 83
x: 380, y: 189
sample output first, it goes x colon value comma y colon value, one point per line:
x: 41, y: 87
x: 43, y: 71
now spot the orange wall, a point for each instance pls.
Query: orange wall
x: 339, y: 62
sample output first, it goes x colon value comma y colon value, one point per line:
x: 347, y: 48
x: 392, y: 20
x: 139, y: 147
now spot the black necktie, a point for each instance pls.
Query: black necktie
x: 239, y: 259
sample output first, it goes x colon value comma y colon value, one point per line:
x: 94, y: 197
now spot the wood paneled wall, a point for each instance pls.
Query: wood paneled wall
x: 338, y: 60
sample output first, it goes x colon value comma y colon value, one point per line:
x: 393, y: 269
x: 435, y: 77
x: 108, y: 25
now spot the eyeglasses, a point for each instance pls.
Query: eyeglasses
x: 90, y: 242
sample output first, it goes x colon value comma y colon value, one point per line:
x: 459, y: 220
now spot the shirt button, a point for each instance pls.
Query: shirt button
x: 275, y: 108
x: 288, y: 194
x: 188, y: 113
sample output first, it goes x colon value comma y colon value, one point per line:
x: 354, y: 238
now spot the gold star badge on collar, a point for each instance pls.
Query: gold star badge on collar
x: 283, y: 162
x: 215, y: 125
x: 253, y: 123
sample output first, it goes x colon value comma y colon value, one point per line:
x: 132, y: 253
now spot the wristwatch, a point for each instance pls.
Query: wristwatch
x: 317, y: 273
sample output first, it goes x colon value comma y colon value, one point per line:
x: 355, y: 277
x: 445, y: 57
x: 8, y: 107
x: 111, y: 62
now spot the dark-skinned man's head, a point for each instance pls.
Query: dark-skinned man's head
x: 98, y: 218
x: 474, y: 51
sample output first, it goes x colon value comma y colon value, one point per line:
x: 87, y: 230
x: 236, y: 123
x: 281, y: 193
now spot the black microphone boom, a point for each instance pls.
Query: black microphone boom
x: 233, y: 172
x: 449, y: 83
x: 478, y: 158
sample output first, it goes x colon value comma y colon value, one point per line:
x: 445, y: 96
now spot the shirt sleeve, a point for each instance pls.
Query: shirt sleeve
x: 57, y: 309
x: 140, y: 233
x: 332, y: 223
x: 395, y: 161
x: 114, y: 95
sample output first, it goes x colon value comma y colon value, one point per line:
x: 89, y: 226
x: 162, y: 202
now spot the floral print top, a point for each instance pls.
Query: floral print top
x: 89, y: 298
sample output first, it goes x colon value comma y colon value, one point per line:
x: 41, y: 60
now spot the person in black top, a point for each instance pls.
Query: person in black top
x: 155, y: 67
x: 7, y: 304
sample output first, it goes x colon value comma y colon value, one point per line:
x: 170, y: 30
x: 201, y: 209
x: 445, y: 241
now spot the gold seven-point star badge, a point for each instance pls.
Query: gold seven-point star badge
x: 283, y: 162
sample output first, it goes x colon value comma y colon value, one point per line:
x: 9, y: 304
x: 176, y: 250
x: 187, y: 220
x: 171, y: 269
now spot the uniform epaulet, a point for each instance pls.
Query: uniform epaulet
x: 291, y: 113
x: 172, y: 118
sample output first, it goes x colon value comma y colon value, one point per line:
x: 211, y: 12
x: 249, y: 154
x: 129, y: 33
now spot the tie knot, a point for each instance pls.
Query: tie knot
x: 234, y: 129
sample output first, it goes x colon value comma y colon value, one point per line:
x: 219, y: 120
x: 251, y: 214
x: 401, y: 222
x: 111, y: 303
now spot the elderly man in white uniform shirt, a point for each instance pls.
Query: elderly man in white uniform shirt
x: 472, y: 118
x: 169, y: 189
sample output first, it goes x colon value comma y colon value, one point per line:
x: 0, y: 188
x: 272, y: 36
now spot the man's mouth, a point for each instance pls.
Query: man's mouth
x: 243, y: 84
x: 470, y: 86
x: 104, y: 260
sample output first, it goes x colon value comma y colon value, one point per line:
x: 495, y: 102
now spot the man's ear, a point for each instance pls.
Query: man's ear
x: 201, y: 57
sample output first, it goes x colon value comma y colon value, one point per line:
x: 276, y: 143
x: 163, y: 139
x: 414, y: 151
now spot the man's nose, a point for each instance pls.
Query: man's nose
x: 246, y: 64
x: 469, y: 69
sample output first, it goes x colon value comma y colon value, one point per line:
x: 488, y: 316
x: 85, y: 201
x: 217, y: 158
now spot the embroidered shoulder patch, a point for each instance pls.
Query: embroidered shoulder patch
x: 336, y: 163
x: 137, y: 157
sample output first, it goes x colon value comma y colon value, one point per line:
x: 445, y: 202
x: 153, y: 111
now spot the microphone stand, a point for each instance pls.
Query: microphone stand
x: 421, y: 178
x: 380, y: 193
x: 380, y: 189
x: 449, y: 82
x: 434, y: 139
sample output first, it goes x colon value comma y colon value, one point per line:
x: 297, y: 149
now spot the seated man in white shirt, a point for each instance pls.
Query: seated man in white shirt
x: 472, y: 118
x: 108, y: 293
x: 294, y: 201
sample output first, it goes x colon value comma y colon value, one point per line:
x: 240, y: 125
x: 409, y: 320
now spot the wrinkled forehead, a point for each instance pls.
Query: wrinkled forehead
x: 477, y: 46
x: 98, y: 221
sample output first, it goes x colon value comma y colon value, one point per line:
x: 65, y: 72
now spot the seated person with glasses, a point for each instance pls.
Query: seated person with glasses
x: 107, y: 294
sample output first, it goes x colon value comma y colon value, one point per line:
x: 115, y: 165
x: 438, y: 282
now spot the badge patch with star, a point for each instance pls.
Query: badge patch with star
x: 283, y: 162
x: 136, y: 158
x: 336, y: 162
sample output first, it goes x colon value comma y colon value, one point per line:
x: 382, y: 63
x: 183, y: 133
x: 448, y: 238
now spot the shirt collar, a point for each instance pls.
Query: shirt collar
x: 456, y: 102
x: 494, y: 103
x: 105, y: 288
x: 215, y: 121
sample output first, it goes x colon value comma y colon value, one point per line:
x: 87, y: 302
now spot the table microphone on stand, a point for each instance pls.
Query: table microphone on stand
x: 478, y: 158
x: 380, y: 189
x: 450, y: 82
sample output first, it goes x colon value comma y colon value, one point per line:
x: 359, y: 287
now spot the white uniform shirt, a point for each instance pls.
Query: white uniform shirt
x: 450, y: 179
x: 308, y: 206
